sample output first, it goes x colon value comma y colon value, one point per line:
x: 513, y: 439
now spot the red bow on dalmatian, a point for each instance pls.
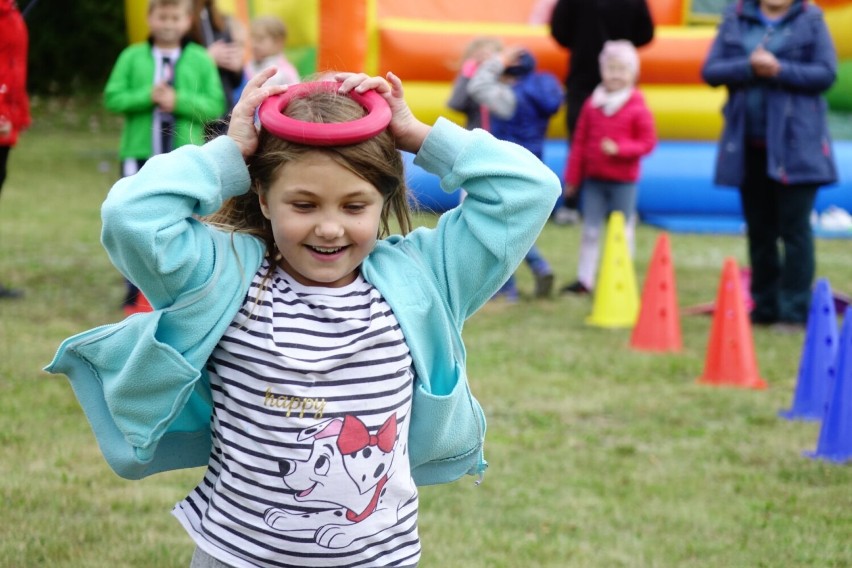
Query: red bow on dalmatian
x: 354, y: 436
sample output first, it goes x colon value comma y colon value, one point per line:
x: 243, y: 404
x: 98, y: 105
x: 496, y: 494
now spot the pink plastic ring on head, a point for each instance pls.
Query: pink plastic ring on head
x: 271, y: 115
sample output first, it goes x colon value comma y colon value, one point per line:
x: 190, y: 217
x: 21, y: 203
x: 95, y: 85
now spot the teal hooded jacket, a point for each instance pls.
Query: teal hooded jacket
x: 142, y: 382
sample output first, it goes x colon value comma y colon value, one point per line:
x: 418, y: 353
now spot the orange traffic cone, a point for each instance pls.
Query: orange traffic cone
x: 730, y: 352
x: 616, y: 301
x: 658, y: 326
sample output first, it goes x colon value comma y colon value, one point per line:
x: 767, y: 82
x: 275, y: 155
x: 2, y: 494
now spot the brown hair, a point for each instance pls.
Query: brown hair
x: 269, y: 26
x: 217, y: 21
x: 376, y: 160
x: 185, y: 4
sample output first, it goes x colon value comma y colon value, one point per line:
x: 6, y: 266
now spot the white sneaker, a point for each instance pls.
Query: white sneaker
x: 565, y: 216
x: 835, y: 219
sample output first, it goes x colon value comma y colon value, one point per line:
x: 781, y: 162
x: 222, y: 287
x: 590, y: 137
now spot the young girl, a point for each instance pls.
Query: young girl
x: 268, y: 37
x: 329, y: 353
x: 478, y: 50
x: 614, y: 130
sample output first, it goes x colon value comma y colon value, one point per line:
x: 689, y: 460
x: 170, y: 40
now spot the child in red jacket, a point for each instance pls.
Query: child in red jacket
x: 14, y: 104
x: 614, y: 131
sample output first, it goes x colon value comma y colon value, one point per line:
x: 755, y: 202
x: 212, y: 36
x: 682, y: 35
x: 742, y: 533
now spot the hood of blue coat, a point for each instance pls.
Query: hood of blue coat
x: 751, y: 8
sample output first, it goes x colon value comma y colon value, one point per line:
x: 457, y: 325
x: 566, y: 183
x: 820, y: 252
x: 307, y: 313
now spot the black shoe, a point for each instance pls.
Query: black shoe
x: 575, y: 287
x: 763, y: 321
x: 9, y: 293
x: 788, y: 327
x: 543, y: 285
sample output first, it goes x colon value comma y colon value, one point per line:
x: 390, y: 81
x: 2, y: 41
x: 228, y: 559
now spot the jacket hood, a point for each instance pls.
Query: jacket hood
x: 751, y: 8
x: 524, y: 66
x: 7, y: 6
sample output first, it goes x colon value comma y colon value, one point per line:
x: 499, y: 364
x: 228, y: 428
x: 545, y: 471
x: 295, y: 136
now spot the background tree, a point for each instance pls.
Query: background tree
x: 73, y: 45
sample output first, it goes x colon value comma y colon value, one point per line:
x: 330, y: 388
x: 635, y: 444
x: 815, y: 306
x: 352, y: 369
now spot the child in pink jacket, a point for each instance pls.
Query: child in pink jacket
x: 614, y: 131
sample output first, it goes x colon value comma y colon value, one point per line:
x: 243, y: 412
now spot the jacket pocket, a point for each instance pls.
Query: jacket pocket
x: 145, y: 382
x: 447, y: 433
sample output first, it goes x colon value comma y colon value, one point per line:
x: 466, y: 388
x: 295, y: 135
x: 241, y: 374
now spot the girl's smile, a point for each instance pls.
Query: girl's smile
x: 325, y: 219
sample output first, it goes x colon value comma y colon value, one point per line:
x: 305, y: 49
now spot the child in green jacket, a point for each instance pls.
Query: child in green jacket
x: 167, y: 88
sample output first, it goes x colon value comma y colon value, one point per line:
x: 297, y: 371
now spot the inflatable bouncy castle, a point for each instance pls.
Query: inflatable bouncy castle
x: 422, y: 42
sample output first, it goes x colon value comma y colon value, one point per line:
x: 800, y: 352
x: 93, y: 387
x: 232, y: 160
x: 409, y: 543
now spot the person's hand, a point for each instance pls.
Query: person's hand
x: 609, y: 147
x: 407, y: 131
x: 5, y: 127
x: 469, y: 68
x: 569, y: 190
x: 164, y: 96
x: 511, y: 55
x: 227, y: 55
x: 764, y: 63
x: 241, y: 128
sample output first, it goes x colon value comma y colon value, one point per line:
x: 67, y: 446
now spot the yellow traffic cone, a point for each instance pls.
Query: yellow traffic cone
x: 616, y: 302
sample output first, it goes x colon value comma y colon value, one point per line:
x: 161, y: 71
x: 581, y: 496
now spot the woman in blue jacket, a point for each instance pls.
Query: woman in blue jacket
x: 776, y: 59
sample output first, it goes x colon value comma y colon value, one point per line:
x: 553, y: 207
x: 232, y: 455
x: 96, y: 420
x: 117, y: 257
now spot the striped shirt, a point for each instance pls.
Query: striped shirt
x: 312, y: 393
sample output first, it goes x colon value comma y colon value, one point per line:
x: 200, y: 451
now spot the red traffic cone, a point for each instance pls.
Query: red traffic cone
x: 658, y: 325
x: 142, y: 303
x: 730, y: 359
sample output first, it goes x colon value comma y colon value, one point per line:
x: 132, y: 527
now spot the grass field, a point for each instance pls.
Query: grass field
x: 600, y: 455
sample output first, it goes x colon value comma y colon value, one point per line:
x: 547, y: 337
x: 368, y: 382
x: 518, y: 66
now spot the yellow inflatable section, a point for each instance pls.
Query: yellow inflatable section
x: 422, y: 41
x: 300, y: 16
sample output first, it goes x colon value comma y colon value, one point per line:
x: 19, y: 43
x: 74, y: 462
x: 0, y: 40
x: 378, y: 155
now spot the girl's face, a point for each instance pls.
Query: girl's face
x: 325, y: 220
x: 615, y: 75
x: 264, y: 45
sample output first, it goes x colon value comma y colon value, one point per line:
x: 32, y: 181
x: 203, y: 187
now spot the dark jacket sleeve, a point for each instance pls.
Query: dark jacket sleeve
x: 817, y: 73
x: 643, y: 25
x: 562, y: 21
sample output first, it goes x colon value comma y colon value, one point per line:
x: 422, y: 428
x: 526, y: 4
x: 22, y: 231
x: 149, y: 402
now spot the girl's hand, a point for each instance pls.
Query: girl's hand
x: 609, y: 147
x: 569, y: 190
x: 764, y: 63
x: 408, y: 132
x: 241, y: 127
x: 227, y: 55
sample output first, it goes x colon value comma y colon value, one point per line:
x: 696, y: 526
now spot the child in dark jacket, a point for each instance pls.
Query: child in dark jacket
x: 614, y: 131
x: 519, y: 102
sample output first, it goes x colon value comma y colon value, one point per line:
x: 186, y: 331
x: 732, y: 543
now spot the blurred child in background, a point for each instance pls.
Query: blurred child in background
x: 224, y: 37
x: 518, y: 102
x: 14, y: 103
x: 615, y: 130
x: 477, y: 51
x: 268, y: 39
x: 166, y: 88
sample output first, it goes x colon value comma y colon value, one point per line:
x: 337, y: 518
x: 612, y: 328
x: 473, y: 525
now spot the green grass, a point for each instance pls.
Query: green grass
x: 600, y: 455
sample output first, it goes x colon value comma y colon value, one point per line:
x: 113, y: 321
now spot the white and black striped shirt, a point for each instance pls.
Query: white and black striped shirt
x: 312, y: 394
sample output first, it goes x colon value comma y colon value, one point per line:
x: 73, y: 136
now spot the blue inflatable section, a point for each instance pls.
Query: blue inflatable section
x: 676, y: 189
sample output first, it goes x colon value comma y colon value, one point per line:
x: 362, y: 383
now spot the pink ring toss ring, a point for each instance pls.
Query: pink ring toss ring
x: 324, y: 134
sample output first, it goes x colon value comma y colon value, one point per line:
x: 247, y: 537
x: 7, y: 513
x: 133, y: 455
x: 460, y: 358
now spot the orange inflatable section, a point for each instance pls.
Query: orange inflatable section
x: 423, y: 41
x: 431, y: 52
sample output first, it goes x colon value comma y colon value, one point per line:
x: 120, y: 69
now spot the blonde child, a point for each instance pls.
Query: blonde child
x: 313, y: 362
x: 478, y: 50
x: 268, y: 38
x: 519, y: 101
x: 614, y: 131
